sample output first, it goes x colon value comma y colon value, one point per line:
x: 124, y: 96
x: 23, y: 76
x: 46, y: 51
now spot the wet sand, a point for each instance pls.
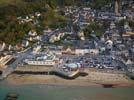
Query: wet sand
x: 92, y: 79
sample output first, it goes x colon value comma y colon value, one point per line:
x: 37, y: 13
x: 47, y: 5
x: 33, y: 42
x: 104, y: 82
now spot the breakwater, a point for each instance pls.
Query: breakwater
x: 51, y: 73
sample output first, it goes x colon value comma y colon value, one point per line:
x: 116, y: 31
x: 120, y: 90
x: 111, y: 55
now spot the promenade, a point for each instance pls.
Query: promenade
x: 46, y: 70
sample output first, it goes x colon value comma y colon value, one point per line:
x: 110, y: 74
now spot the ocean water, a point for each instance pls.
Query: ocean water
x: 51, y: 92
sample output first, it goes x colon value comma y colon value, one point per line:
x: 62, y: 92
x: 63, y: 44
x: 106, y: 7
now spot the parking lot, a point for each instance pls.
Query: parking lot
x: 88, y: 61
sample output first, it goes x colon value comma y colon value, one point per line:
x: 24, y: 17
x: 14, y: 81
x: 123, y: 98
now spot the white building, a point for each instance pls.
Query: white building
x: 109, y: 44
x: 81, y: 51
x: 46, y: 60
x: 4, y: 60
x: 86, y: 51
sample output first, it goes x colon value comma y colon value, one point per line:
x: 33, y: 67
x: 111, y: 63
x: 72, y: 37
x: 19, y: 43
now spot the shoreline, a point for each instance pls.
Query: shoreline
x: 16, y: 80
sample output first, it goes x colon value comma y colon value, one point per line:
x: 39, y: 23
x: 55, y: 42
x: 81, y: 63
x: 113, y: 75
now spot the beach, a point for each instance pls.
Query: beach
x: 92, y: 79
x: 51, y: 87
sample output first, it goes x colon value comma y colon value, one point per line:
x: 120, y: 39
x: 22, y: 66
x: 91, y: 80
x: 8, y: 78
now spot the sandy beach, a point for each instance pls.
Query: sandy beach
x: 92, y: 79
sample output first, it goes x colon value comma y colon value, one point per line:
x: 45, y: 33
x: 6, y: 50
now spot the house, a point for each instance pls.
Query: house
x: 85, y: 47
x: 10, y: 47
x: 36, y: 49
x: 109, y: 44
x: 32, y: 33
x: 129, y: 62
x: 56, y: 36
x: 33, y: 36
x: 127, y: 28
x: 26, y: 19
x: 56, y: 51
x: 127, y: 36
x: 68, y: 50
x: 81, y: 35
x: 37, y: 14
x: 25, y: 43
x: 81, y: 51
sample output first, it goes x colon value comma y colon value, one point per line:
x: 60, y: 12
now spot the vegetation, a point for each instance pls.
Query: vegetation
x: 98, y: 4
x: 12, y: 32
x: 53, y: 20
x: 96, y: 27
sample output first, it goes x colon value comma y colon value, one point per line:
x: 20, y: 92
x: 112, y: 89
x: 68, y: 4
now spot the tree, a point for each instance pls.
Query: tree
x: 96, y: 27
x: 98, y: 4
x: 13, y: 32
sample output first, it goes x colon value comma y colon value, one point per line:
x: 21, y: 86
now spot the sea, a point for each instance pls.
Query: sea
x: 55, y: 92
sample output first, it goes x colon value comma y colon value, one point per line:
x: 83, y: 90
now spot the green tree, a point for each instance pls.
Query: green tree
x: 96, y: 27
x: 98, y: 4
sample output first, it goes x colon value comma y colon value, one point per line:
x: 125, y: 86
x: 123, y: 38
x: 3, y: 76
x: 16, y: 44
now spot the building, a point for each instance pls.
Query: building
x: 73, y: 66
x: 68, y: 50
x: 36, y: 49
x: 4, y: 60
x: 79, y: 51
x: 81, y: 35
x: 56, y: 36
x: 42, y: 60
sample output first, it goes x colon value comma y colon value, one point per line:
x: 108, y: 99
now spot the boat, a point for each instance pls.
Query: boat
x: 11, y: 96
x: 108, y: 85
